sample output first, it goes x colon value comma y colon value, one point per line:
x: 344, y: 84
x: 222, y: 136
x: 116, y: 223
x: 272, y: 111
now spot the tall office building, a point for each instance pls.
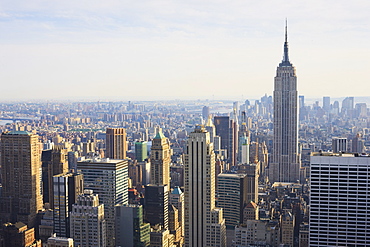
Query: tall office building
x: 252, y: 172
x: 156, y: 205
x: 176, y: 199
x: 116, y: 145
x: 285, y: 164
x: 326, y: 103
x: 131, y: 231
x: 339, y: 144
x: 232, y: 197
x: 20, y: 169
x: 339, y: 200
x: 205, y: 112
x: 227, y: 129
x: 234, y: 143
x: 235, y: 112
x: 347, y: 105
x: 141, y: 151
x: 204, y: 223
x: 222, y: 130
x: 358, y: 144
x: 243, y: 145
x: 87, y: 221
x: 66, y: 188
x: 160, y: 159
x: 210, y: 127
x: 360, y: 110
x: 109, y: 179
x: 54, y: 162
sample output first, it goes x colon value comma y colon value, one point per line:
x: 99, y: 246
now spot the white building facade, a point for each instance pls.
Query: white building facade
x: 204, y: 223
x: 339, y: 200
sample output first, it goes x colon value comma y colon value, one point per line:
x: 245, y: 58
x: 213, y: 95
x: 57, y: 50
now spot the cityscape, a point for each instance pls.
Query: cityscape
x: 154, y: 125
x: 273, y: 172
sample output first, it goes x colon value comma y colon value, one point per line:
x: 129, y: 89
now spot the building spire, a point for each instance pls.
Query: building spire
x: 285, y: 61
x: 286, y: 30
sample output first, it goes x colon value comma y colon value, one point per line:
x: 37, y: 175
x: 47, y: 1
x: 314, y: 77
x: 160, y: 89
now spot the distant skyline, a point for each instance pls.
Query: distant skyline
x: 162, y: 50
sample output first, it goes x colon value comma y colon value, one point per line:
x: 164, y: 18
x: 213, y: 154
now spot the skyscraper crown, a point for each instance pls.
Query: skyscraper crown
x: 286, y: 61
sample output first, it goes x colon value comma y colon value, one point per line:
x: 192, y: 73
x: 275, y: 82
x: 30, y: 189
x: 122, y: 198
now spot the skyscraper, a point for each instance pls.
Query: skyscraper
x: 252, y: 175
x: 205, y: 112
x: 54, y: 162
x: 87, y: 221
x: 109, y: 179
x: 339, y: 200
x: 227, y: 129
x: 141, y: 151
x: 204, y: 223
x: 222, y: 129
x: 160, y: 159
x: 20, y: 167
x: 358, y: 144
x: 243, y: 145
x: 66, y: 188
x: 326, y: 103
x: 116, y: 145
x: 232, y: 197
x: 339, y: 144
x: 156, y: 205
x: 347, y: 106
x: 131, y: 231
x: 157, y: 192
x: 285, y: 159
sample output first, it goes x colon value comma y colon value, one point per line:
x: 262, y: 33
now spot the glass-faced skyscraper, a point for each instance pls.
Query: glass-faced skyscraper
x: 285, y: 160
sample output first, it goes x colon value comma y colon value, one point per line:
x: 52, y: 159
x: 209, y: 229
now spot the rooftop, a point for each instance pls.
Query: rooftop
x: 159, y: 135
x: 17, y: 133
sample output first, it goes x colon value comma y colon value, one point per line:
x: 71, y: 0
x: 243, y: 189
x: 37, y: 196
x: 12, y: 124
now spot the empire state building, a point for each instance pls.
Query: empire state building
x: 285, y: 164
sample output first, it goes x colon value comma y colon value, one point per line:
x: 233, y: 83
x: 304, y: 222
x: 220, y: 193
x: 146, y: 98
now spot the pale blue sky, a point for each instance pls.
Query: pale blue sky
x: 127, y: 50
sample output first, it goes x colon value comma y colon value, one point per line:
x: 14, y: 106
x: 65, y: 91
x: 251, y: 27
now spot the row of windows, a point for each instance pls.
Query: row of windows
x: 336, y: 168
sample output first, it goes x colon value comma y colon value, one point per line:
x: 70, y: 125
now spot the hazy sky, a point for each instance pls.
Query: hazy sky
x: 127, y: 50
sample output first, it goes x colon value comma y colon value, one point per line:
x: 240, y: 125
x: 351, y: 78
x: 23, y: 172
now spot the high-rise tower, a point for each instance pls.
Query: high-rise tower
x: 204, y: 223
x: 285, y: 159
x: 339, y: 199
x: 54, y: 162
x: 109, y: 179
x: 116, y: 143
x: 66, y: 188
x: 88, y: 226
x: 160, y: 159
x: 157, y: 192
x: 232, y: 197
x: 20, y: 167
x: 227, y: 129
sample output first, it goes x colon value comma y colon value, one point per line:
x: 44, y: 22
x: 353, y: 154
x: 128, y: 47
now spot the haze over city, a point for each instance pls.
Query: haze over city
x: 122, y: 50
x: 168, y: 124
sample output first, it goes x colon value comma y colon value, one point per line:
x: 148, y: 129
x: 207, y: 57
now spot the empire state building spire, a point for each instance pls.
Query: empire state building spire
x: 285, y: 61
x: 285, y: 164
